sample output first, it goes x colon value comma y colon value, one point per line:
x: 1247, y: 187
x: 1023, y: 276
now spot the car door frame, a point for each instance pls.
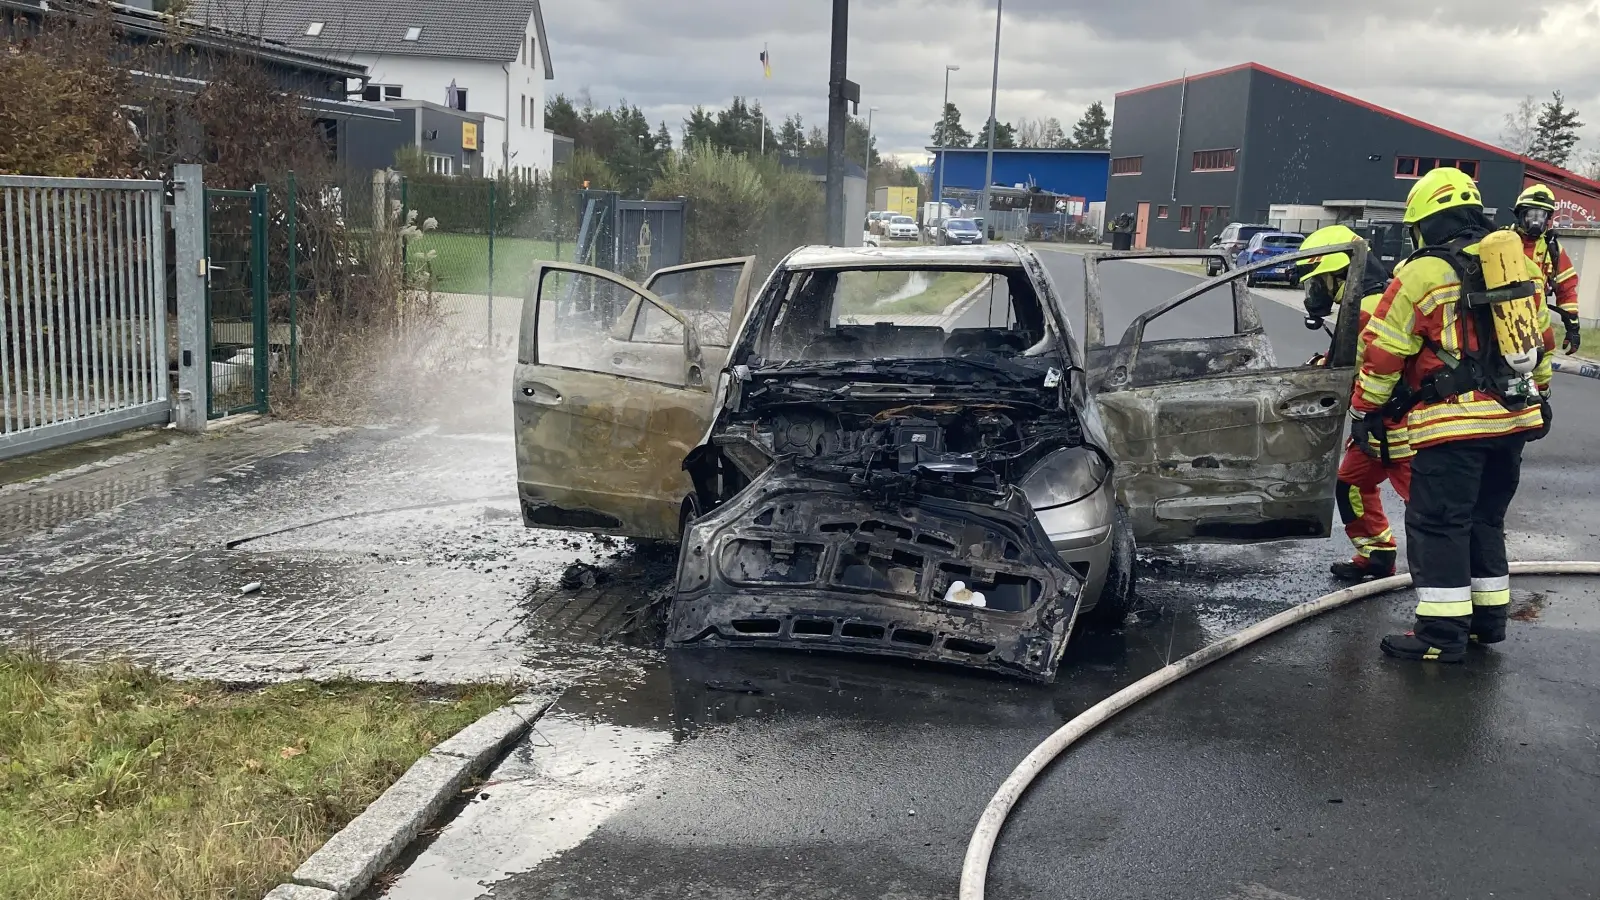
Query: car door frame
x: 1285, y: 494
x: 741, y: 298
x: 682, y: 409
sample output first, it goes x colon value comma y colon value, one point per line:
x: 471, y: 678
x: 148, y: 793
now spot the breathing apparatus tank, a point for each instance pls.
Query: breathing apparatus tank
x: 1512, y: 300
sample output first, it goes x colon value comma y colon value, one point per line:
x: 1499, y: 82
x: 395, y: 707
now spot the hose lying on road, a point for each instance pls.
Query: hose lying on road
x: 976, y: 867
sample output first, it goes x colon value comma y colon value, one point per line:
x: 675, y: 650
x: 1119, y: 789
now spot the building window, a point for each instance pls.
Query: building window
x: 1161, y: 212
x: 1213, y: 160
x: 524, y: 107
x: 314, y: 29
x: 413, y: 35
x: 376, y: 93
x: 533, y: 53
x: 1185, y: 218
x: 441, y: 165
x: 456, y: 98
x: 1127, y: 165
x: 1207, y: 215
x: 1418, y: 166
x: 392, y: 92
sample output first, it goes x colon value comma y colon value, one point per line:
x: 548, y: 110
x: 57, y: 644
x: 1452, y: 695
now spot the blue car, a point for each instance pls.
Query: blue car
x: 1265, y: 246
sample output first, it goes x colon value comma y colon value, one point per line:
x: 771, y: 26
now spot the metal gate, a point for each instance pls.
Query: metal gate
x: 83, y: 310
x: 236, y: 301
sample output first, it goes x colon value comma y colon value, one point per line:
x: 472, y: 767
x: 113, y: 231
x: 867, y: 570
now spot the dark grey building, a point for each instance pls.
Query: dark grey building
x: 450, y: 139
x: 1252, y: 144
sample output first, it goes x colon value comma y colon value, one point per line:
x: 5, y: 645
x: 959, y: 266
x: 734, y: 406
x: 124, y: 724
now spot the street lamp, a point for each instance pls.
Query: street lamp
x: 994, y: 92
x: 870, y: 111
x: 944, y: 136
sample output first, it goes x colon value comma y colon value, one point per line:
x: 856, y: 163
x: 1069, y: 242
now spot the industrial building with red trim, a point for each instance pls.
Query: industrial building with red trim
x: 1252, y: 144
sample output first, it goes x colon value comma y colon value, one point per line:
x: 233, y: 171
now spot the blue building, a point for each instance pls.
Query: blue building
x: 1073, y: 173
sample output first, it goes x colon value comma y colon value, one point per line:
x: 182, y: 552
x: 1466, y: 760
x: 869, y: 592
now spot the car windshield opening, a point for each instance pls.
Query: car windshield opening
x: 832, y: 315
x: 1291, y: 241
x: 962, y: 225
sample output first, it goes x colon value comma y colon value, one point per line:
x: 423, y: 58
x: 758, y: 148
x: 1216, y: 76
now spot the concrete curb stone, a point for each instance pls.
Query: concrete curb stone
x: 344, y: 866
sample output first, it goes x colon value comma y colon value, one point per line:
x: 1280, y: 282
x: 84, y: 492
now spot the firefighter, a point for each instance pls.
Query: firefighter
x: 1363, y: 470
x: 1464, y: 327
x: 1535, y: 213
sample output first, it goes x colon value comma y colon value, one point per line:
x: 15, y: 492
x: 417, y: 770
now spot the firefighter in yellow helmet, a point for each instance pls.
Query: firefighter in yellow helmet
x: 1460, y: 342
x: 1363, y: 470
x: 1535, y: 213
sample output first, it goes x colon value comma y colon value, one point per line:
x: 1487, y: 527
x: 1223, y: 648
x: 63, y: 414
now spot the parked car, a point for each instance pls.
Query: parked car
x: 1390, y: 239
x: 958, y: 231
x: 1231, y: 240
x: 902, y: 228
x: 962, y: 485
x: 876, y: 220
x: 1266, y: 245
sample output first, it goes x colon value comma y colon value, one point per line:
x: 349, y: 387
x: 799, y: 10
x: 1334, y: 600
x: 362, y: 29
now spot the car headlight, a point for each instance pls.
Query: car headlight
x: 1065, y: 476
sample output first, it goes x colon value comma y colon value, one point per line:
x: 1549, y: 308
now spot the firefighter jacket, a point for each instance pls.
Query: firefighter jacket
x: 1417, y: 314
x: 1558, y: 273
x: 1399, y: 436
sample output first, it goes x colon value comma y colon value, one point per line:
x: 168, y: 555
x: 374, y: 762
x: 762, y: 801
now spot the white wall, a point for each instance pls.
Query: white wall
x: 428, y: 78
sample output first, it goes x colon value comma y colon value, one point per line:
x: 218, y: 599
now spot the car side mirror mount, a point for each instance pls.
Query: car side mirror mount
x: 694, y: 360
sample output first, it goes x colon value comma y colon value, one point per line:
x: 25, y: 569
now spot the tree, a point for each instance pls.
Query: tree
x: 663, y: 138
x: 1005, y: 136
x: 1557, y: 131
x: 1093, y: 130
x: 1521, y: 125
x: 792, y: 136
x: 1054, y: 137
x: 855, y: 141
x: 1030, y: 133
x: 700, y: 128
x: 947, y: 132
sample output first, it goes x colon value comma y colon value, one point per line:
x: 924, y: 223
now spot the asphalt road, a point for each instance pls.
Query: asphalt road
x: 1307, y: 767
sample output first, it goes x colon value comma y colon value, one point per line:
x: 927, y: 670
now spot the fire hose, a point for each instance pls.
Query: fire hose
x: 974, y: 870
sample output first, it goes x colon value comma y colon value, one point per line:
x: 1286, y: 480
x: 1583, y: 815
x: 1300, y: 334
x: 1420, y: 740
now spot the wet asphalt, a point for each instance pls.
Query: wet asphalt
x: 1307, y: 766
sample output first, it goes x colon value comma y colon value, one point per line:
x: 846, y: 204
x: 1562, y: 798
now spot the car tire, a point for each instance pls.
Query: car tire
x: 1118, y: 594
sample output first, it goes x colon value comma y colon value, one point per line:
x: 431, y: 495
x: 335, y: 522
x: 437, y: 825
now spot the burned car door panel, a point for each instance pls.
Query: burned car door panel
x: 603, y: 421
x: 864, y: 479
x: 1212, y: 441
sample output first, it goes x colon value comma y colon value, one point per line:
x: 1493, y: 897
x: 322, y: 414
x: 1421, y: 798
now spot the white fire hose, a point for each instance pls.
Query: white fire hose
x: 975, y: 869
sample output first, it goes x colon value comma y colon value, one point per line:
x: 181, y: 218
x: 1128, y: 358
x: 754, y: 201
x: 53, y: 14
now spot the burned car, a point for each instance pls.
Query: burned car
x: 906, y: 452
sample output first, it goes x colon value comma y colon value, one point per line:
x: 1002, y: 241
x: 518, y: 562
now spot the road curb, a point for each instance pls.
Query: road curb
x: 344, y: 866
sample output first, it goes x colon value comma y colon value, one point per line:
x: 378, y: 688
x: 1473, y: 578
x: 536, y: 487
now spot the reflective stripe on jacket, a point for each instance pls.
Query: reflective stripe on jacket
x: 1557, y: 272
x: 1418, y: 308
x: 1399, y: 434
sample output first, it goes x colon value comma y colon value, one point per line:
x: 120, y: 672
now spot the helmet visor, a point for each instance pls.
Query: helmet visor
x: 1319, y: 299
x: 1534, y: 220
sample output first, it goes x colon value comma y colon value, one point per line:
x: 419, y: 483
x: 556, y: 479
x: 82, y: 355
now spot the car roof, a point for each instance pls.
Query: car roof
x: 984, y: 255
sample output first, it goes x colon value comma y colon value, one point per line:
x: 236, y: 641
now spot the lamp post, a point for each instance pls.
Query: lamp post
x: 994, y: 93
x: 944, y: 137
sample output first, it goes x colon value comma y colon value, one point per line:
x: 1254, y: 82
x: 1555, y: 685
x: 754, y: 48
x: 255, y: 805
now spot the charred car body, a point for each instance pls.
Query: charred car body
x: 906, y: 453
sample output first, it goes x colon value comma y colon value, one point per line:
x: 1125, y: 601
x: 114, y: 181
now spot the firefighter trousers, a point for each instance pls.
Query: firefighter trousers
x: 1455, y: 525
x: 1361, y: 504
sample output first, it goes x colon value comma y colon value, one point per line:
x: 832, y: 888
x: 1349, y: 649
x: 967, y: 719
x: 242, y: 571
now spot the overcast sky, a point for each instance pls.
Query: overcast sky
x: 1462, y: 69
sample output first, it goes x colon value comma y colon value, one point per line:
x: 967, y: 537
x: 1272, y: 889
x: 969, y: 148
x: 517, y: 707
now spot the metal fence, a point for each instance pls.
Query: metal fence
x: 83, y: 311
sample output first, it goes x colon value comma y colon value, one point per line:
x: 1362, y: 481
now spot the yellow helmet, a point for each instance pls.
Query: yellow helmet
x: 1334, y: 263
x: 1439, y: 190
x: 1537, y: 196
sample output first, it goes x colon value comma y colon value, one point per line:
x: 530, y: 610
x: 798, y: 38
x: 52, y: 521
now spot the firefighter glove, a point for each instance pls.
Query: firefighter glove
x: 1548, y: 415
x: 1574, y: 338
x: 1365, y: 428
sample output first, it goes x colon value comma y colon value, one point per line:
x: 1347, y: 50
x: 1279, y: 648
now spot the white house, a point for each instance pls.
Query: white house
x: 490, y: 57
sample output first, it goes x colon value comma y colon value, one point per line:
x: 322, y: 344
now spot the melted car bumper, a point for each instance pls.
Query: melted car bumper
x: 798, y: 562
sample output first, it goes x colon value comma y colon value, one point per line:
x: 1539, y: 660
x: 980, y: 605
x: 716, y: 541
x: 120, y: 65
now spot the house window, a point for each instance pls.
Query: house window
x: 1213, y: 160
x: 372, y: 93
x: 392, y: 92
x: 376, y: 93
x: 1127, y: 165
x: 1185, y: 218
x: 441, y: 165
x: 1206, y: 214
x: 533, y: 53
x: 1161, y: 212
x: 314, y: 29
x: 413, y: 34
x: 461, y: 99
x: 524, y: 107
x: 1418, y: 166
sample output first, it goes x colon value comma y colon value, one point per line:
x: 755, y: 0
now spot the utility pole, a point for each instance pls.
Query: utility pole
x: 994, y: 95
x: 944, y: 138
x: 840, y: 92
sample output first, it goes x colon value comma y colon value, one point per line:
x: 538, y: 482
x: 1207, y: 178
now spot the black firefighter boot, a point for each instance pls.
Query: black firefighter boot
x: 1380, y: 564
x: 1489, y: 623
x: 1432, y: 639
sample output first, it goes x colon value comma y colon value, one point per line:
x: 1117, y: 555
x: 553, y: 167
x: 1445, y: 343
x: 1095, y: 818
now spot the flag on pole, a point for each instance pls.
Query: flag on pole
x: 766, y: 61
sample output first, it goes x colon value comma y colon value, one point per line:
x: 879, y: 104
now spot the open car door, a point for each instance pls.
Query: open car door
x: 605, y: 414
x: 1214, y: 441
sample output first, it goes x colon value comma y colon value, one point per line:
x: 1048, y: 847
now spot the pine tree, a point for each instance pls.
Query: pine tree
x: 947, y: 132
x: 1005, y: 136
x: 792, y: 136
x: 1093, y: 131
x: 663, y: 138
x: 1557, y: 131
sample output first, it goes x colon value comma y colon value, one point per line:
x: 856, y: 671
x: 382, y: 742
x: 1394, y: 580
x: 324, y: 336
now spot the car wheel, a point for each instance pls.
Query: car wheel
x: 1118, y: 594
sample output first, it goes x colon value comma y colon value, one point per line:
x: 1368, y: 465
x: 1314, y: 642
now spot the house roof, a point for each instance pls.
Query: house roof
x: 487, y: 30
x: 1534, y: 167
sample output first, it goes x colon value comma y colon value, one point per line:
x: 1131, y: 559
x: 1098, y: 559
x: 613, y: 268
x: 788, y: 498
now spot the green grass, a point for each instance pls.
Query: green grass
x: 460, y: 262
x: 862, y: 292
x: 119, y: 784
x: 1591, y: 340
